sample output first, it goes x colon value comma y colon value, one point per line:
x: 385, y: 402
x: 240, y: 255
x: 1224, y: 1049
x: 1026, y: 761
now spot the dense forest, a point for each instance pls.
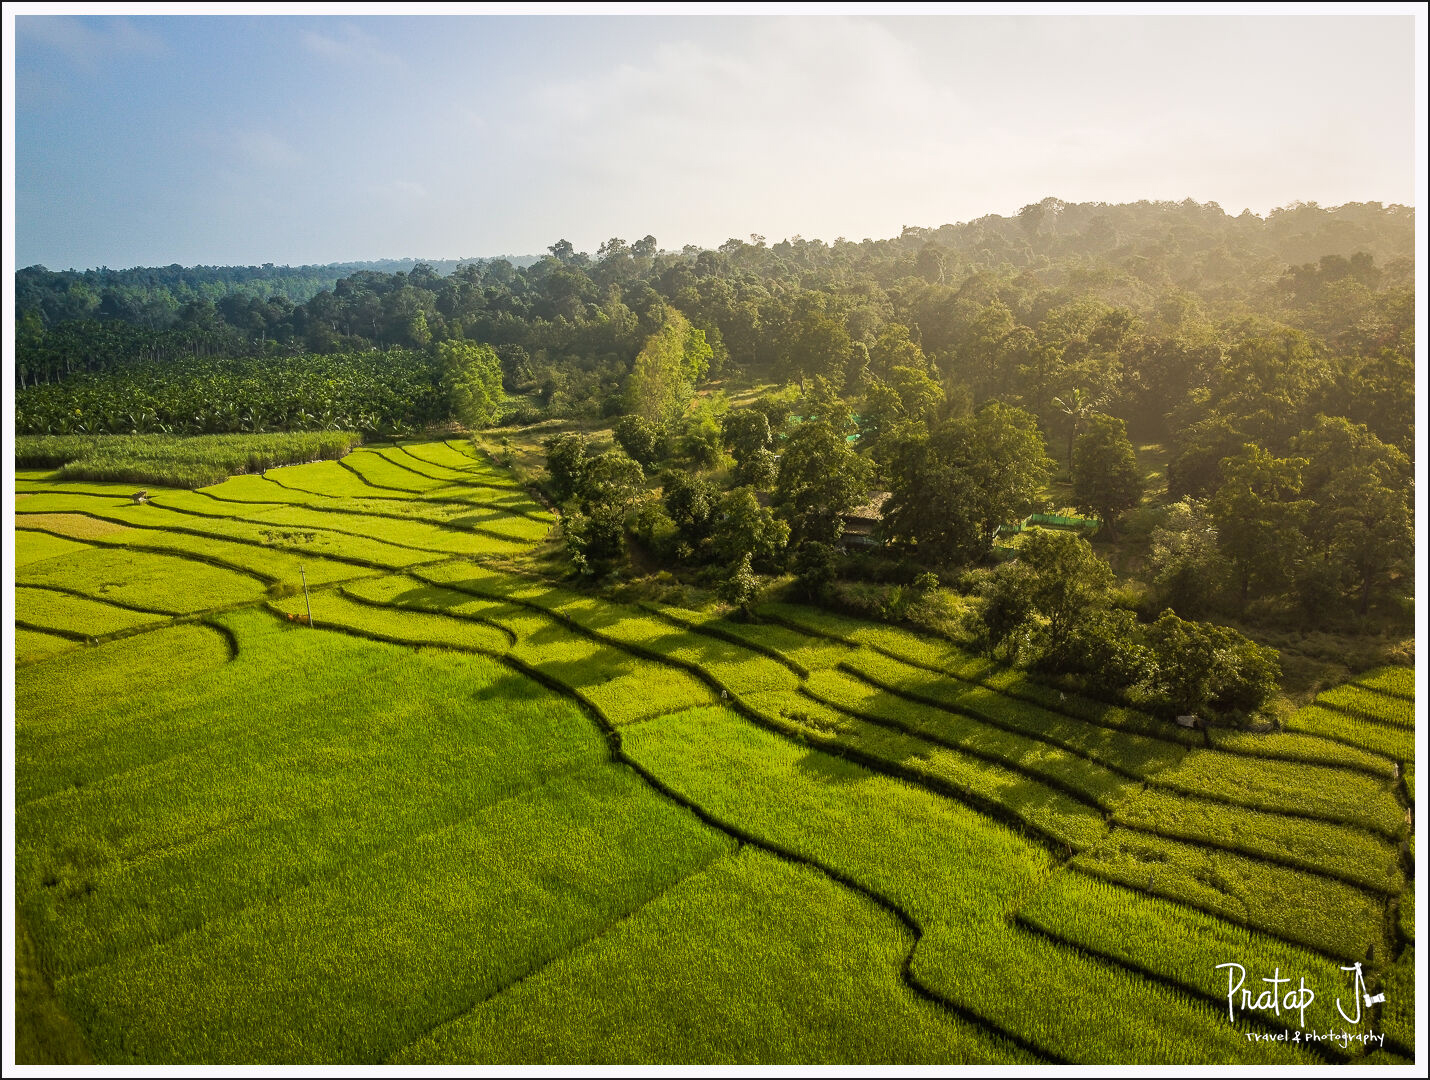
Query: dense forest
x: 955, y: 368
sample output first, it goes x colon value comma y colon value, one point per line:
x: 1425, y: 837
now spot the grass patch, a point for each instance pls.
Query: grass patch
x: 753, y: 961
x: 75, y: 614
x: 1391, y: 740
x: 33, y: 547
x: 1336, y: 919
x: 145, y: 579
x: 1292, y: 746
x: 349, y: 968
x: 1176, y: 942
x: 1350, y: 854
x: 957, y: 875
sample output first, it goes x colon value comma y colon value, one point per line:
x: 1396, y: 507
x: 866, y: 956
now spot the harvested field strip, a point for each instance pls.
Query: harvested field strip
x: 1173, y: 942
x: 942, y: 658
x: 747, y: 962
x: 199, y: 843
x: 74, y: 522
x: 1351, y: 855
x: 1370, y: 705
x: 1391, y: 740
x: 149, y: 580
x: 1396, y: 681
x: 1293, y: 746
x: 64, y: 613
x: 342, y: 939
x: 953, y: 875
x: 1085, y: 779
x: 1333, y: 918
x: 33, y: 547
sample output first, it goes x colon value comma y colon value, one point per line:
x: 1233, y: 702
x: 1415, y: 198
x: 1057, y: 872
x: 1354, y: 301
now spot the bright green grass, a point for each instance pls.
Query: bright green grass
x: 97, y: 711
x: 33, y: 645
x: 484, y: 506
x: 1318, y: 846
x: 1291, y: 746
x: 509, y: 531
x: 330, y: 609
x: 754, y: 961
x: 75, y: 614
x: 1371, y: 705
x: 403, y: 459
x: 147, y: 854
x: 1350, y: 798
x: 270, y: 565
x: 1035, y: 758
x: 374, y: 467
x: 474, y: 469
x: 737, y: 668
x: 1405, y: 915
x: 1135, y: 755
x: 986, y: 786
x: 959, y: 875
x: 329, y: 478
x: 144, y: 579
x: 33, y: 547
x: 1399, y: 681
x: 1178, y: 943
x: 361, y: 962
x: 310, y: 540
x: 625, y: 688
x: 1391, y: 740
x: 1336, y: 919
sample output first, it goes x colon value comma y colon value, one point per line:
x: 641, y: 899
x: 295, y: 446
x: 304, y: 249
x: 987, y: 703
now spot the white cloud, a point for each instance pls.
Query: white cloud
x: 349, y: 45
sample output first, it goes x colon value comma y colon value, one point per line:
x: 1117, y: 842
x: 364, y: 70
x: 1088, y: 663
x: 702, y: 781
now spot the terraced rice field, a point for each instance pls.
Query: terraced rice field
x: 473, y: 815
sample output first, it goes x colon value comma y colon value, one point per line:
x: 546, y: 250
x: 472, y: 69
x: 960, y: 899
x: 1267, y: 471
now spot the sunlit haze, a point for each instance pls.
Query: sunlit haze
x: 148, y: 140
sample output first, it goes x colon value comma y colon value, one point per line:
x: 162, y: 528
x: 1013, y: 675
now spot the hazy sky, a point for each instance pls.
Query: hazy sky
x: 148, y: 140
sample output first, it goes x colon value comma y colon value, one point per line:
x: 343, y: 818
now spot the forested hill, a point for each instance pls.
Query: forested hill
x: 155, y: 296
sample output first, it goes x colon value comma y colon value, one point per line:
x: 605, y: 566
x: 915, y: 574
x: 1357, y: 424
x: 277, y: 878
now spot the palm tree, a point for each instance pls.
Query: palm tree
x: 1078, y: 407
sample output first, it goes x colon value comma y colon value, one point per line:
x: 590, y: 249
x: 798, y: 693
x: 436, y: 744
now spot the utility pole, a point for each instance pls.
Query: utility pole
x: 306, y: 601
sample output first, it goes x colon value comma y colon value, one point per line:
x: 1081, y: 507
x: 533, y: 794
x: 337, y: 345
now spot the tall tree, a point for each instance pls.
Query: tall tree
x: 1106, y: 480
x: 820, y: 479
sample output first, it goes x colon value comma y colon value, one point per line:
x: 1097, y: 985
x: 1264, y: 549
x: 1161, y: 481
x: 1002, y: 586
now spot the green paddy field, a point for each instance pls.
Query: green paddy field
x: 474, y: 816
